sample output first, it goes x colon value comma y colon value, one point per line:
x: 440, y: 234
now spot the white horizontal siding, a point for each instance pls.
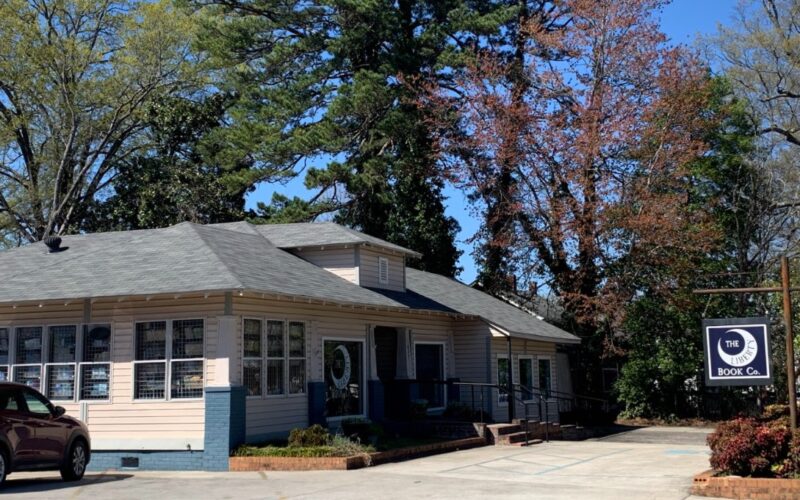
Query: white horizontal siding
x: 368, y: 266
x: 339, y: 261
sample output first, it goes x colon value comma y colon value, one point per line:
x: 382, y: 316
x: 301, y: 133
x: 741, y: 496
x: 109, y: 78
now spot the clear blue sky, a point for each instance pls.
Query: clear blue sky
x: 682, y: 21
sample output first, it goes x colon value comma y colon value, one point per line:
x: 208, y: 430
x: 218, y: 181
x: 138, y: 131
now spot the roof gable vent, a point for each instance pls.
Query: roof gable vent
x: 53, y: 244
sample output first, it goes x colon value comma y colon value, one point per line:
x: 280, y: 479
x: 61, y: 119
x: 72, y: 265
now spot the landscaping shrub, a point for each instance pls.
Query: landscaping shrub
x: 316, y: 435
x: 747, y: 447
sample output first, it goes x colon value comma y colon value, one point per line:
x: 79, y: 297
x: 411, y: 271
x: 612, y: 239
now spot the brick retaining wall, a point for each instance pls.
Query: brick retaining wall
x: 751, y: 488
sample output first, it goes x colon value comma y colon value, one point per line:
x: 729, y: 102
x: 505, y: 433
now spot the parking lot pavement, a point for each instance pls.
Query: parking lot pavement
x: 594, y: 469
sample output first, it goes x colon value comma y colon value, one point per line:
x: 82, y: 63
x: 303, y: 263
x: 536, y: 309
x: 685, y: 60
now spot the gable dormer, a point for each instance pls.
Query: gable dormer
x: 357, y: 257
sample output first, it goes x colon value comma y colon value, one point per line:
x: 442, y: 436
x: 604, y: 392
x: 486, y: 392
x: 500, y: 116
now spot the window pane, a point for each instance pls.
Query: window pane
x: 502, y: 380
x: 187, y: 379
x: 252, y: 338
x: 275, y: 339
x: 526, y: 377
x: 429, y: 360
x: 150, y: 380
x: 343, y: 367
x: 3, y: 373
x: 187, y: 339
x: 61, y: 382
x: 29, y: 345
x: 274, y: 376
x: 35, y: 403
x: 151, y: 340
x: 28, y: 375
x: 297, y: 340
x: 4, y: 346
x: 251, y: 375
x: 544, y: 376
x: 97, y: 343
x: 62, y: 344
x: 95, y: 380
x: 8, y: 400
x: 297, y: 376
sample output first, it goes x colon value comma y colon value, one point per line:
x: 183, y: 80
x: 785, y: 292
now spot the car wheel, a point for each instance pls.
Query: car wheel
x: 4, y: 465
x: 75, y: 464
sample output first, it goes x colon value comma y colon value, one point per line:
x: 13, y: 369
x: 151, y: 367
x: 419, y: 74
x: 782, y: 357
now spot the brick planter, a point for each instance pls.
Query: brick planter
x: 751, y: 488
x: 241, y: 464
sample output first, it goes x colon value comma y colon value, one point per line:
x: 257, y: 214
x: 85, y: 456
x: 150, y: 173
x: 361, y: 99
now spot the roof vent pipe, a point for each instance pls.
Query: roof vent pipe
x: 53, y: 244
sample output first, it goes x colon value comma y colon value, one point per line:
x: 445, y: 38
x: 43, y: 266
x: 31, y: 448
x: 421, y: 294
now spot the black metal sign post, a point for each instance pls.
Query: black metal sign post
x: 786, y: 290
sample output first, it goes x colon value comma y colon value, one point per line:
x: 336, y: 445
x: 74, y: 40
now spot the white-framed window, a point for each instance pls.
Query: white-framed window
x: 5, y: 344
x: 61, y: 362
x: 273, y: 357
x: 297, y: 358
x: 95, y: 366
x: 525, y: 374
x: 252, y: 353
x: 50, y: 359
x: 383, y: 270
x: 169, y: 351
x: 27, y: 367
x: 502, y: 379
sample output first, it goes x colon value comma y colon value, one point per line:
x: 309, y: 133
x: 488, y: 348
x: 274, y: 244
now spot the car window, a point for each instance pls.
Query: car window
x: 36, y: 404
x: 8, y: 400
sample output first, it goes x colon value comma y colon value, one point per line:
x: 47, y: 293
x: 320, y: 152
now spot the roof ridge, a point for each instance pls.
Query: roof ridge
x: 231, y: 273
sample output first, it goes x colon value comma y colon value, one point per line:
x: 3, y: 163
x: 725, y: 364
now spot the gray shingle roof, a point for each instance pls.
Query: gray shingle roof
x: 179, y: 259
x: 190, y: 258
x: 467, y: 300
x: 315, y: 234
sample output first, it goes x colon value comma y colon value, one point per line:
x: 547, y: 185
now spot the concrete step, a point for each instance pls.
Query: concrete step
x: 501, y: 429
x: 515, y: 438
x: 532, y: 442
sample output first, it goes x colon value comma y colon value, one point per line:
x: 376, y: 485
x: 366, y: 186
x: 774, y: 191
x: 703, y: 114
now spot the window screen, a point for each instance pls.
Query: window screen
x: 29, y: 345
x: 4, y: 338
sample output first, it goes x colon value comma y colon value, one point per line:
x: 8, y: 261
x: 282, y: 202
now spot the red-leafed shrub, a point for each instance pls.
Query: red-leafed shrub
x: 747, y: 447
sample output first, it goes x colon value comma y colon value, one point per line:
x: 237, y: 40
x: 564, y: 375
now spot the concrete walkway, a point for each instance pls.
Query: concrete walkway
x: 626, y: 466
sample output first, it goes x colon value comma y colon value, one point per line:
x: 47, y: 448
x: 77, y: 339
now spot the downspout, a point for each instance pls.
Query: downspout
x: 511, y: 400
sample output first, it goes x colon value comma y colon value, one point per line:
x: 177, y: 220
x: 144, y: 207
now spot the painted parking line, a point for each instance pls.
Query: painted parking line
x: 579, y: 462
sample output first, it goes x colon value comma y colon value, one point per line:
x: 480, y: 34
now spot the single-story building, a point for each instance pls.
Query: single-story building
x: 176, y: 344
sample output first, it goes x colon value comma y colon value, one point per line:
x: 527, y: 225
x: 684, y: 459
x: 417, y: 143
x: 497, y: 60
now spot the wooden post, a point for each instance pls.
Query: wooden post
x: 787, y: 320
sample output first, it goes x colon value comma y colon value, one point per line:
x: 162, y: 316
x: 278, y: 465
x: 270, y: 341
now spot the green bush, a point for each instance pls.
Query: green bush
x: 316, y: 435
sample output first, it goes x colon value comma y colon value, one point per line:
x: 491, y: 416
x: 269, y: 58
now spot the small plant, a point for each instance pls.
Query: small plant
x: 316, y: 435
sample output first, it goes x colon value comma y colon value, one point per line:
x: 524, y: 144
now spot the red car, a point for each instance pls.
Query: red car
x: 35, y: 435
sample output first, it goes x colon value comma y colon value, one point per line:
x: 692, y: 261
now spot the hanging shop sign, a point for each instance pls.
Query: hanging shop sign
x: 737, y: 351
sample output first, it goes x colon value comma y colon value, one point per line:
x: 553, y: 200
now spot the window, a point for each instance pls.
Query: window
x: 150, y: 375
x: 95, y: 371
x: 27, y: 368
x: 57, y: 361
x: 251, y: 356
x: 183, y: 360
x: 526, y: 377
x: 9, y: 400
x: 60, y: 369
x: 35, y: 403
x: 277, y: 353
x: 545, y: 377
x: 344, y: 367
x: 297, y: 357
x: 429, y: 360
x: 383, y: 270
x: 502, y: 380
x: 4, y: 361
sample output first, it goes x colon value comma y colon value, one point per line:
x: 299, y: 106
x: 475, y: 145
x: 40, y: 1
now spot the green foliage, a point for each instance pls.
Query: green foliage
x: 76, y: 80
x: 316, y: 435
x: 331, y: 85
x: 172, y: 182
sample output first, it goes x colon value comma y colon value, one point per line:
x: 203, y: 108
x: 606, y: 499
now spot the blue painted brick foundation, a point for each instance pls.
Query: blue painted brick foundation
x: 224, y: 430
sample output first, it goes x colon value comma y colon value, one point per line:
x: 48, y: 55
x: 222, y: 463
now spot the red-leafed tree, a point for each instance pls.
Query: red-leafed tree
x: 586, y: 137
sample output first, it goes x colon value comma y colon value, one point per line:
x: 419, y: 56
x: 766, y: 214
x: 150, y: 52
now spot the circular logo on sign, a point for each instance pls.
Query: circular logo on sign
x: 745, y: 350
x: 344, y: 378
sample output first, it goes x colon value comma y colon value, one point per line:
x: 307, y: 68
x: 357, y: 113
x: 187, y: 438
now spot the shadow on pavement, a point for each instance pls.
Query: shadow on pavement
x: 54, y: 483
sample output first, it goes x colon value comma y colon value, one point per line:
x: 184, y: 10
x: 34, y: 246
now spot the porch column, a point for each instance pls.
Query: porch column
x: 225, y: 403
x: 377, y: 393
